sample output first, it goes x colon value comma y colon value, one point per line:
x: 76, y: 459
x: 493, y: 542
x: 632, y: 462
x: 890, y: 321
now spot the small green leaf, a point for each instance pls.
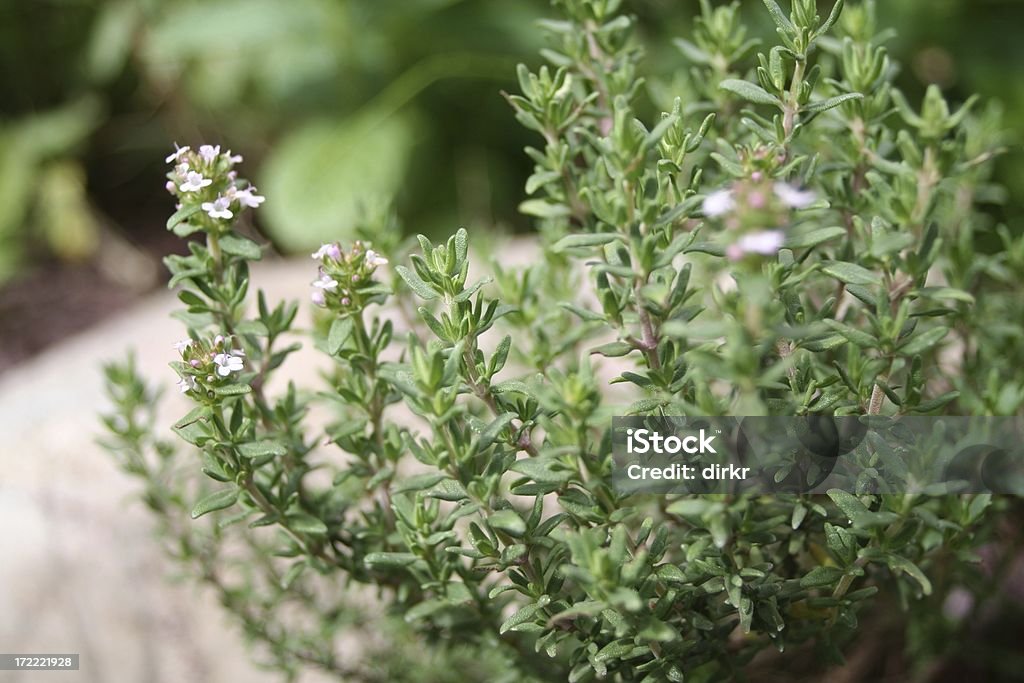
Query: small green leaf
x: 237, y: 245
x: 389, y: 560
x: 750, y: 92
x: 490, y: 433
x: 259, y: 449
x: 305, y: 524
x: 613, y: 349
x: 814, y: 238
x: 232, y: 390
x: 182, y: 215
x: 821, y: 576
x: 851, y: 273
x: 585, y: 240
x: 923, y: 342
x: 218, y: 500
x: 831, y: 103
x: 902, y: 564
x: 341, y: 330
x: 542, y: 208
x: 861, y: 339
x: 508, y: 521
x: 422, y: 289
x: 525, y: 615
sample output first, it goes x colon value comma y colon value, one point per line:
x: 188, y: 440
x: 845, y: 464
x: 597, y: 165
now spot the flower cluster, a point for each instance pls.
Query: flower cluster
x: 755, y: 211
x: 345, y: 279
x: 206, y: 365
x: 206, y: 179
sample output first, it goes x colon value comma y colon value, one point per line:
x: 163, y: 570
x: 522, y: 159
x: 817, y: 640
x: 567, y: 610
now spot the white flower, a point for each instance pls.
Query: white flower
x: 187, y: 382
x: 194, y: 181
x: 318, y: 297
x: 375, y: 259
x: 178, y: 151
x: 765, y: 242
x: 227, y: 363
x: 330, y: 249
x: 180, y: 346
x: 218, y: 208
x: 170, y: 186
x: 794, y: 198
x: 718, y: 203
x: 247, y: 198
x: 234, y: 158
x: 326, y: 282
x: 209, y: 152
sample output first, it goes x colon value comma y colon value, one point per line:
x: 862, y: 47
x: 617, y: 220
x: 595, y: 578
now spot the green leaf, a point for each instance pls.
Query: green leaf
x: 422, y: 289
x: 525, y: 615
x: 902, y: 564
x: 508, y: 521
x: 448, y: 489
x: 218, y: 500
x: 389, y: 560
x: 585, y: 240
x: 613, y: 349
x: 305, y: 524
x: 814, y: 238
x: 542, y: 208
x: 830, y: 103
x: 259, y: 449
x: 851, y: 273
x: 237, y: 245
x: 750, y: 92
x: 341, y: 330
x: 490, y: 433
x: 778, y: 16
x: 923, y: 342
x: 182, y: 215
x: 821, y: 576
x: 861, y: 339
x: 232, y: 390
x: 419, y: 482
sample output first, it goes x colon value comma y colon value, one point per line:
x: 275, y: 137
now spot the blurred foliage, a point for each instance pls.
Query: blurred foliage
x: 98, y: 87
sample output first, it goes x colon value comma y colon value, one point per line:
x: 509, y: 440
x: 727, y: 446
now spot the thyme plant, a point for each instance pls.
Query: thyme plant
x: 792, y: 237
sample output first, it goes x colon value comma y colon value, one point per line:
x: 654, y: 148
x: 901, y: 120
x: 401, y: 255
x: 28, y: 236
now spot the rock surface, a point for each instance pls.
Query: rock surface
x: 80, y: 570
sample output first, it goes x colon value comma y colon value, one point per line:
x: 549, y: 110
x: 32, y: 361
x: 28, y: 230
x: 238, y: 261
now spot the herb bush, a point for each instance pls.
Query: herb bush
x: 793, y: 238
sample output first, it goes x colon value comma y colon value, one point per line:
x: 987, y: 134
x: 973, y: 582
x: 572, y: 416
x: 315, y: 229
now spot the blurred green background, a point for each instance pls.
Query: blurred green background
x: 339, y: 106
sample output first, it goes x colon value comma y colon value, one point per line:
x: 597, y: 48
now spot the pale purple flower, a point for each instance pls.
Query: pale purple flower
x: 330, y: 249
x: 194, y: 182
x: 194, y: 363
x: 186, y: 383
x: 180, y: 346
x: 181, y: 170
x: 228, y: 363
x: 247, y: 198
x: 318, y: 297
x: 326, y: 283
x: 764, y: 242
x: 218, y: 208
x: 958, y: 604
x: 793, y: 197
x: 234, y: 158
x: 170, y: 186
x: 374, y: 259
x: 178, y: 151
x: 218, y: 340
x: 345, y: 301
x: 209, y: 152
x: 718, y: 203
